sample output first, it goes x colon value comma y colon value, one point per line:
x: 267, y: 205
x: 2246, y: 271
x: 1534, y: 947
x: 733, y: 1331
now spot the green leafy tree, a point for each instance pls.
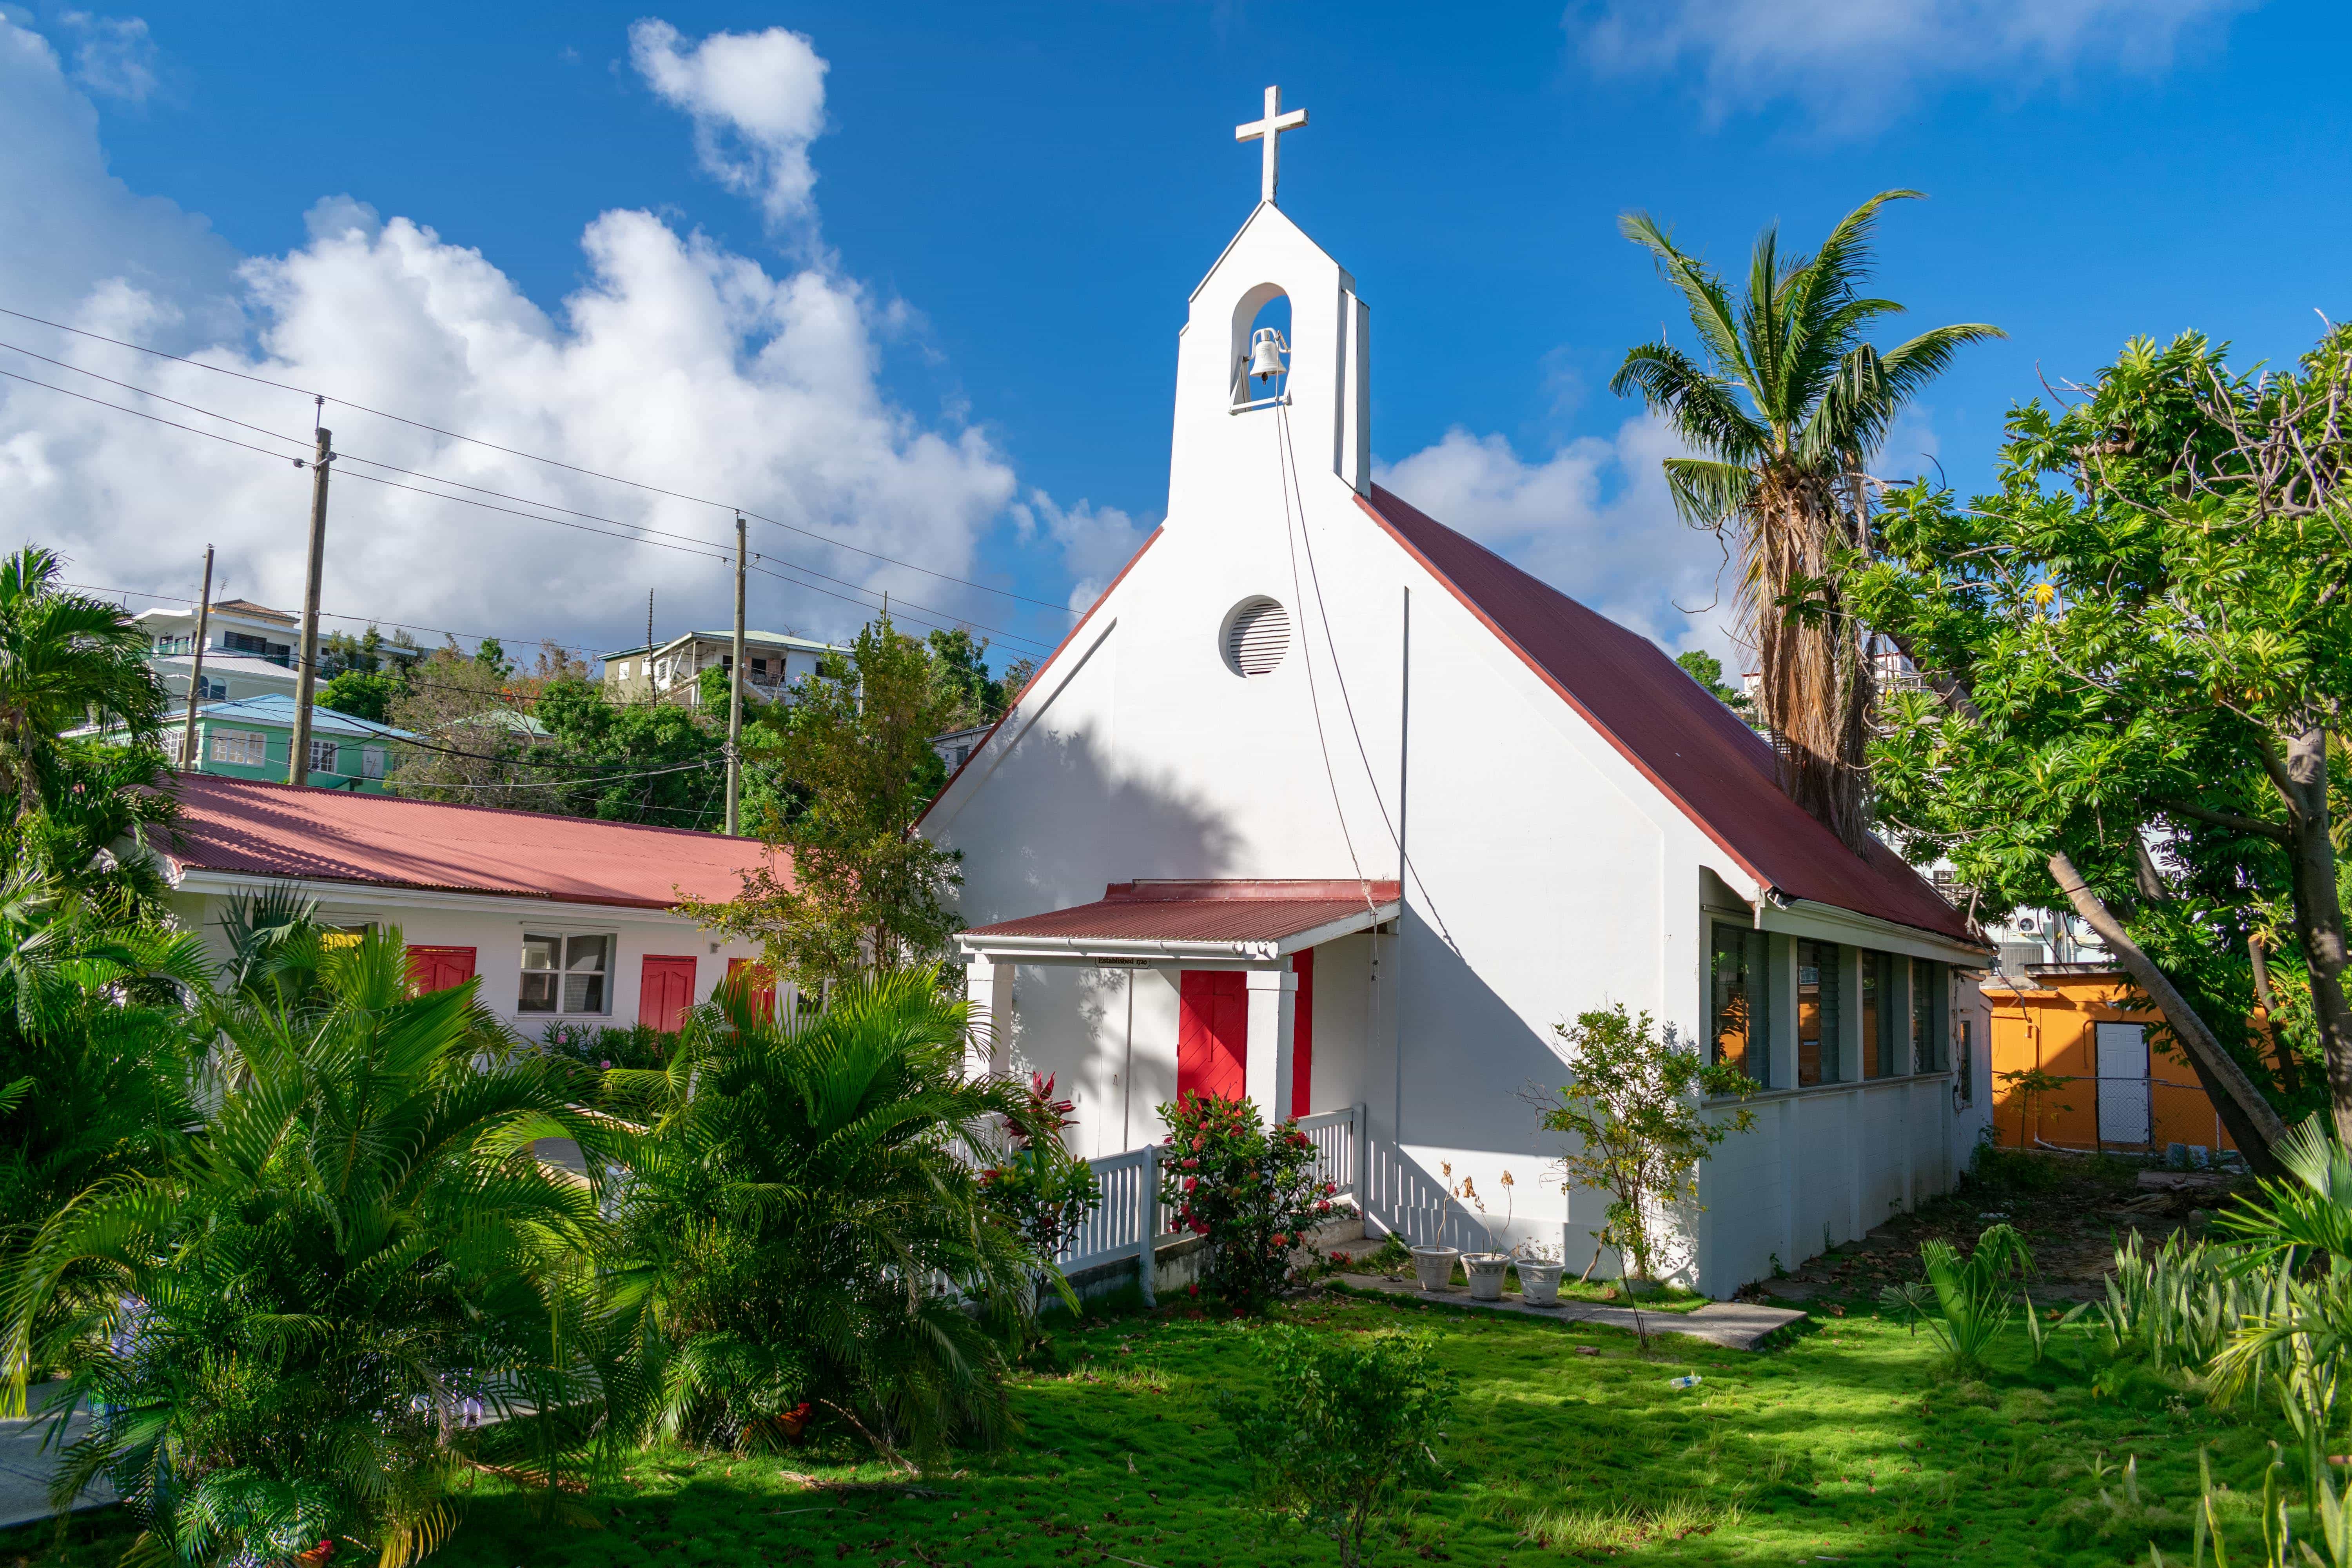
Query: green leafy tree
x: 652, y: 761
x: 1252, y: 1190
x: 1707, y: 670
x: 801, y: 1188
x: 1788, y: 403
x: 362, y: 694
x: 1351, y: 1426
x: 1043, y: 1190
x: 854, y: 767
x: 349, y: 1288
x: 1635, y: 1110
x: 2137, y: 655
x: 962, y: 663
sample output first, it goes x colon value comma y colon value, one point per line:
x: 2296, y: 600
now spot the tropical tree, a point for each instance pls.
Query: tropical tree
x: 66, y: 660
x: 2139, y: 651
x: 793, y: 1217
x: 347, y: 1287
x: 853, y: 768
x: 1785, y: 407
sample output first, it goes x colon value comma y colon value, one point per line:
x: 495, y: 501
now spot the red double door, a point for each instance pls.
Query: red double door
x: 666, y: 990
x: 1213, y: 1033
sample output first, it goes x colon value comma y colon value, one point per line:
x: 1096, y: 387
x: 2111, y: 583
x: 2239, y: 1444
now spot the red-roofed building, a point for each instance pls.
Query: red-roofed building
x: 1183, y: 871
x: 562, y: 919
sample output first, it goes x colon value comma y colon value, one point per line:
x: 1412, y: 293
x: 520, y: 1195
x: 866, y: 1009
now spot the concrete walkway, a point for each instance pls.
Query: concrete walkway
x: 1737, y: 1325
x: 26, y: 1468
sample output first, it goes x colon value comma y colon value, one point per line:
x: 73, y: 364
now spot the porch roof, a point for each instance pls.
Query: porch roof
x: 1225, y: 918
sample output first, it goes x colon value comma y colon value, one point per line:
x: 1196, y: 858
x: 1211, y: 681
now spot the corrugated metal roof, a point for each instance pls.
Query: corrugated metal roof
x: 1717, y: 770
x: 1225, y: 909
x: 244, y: 827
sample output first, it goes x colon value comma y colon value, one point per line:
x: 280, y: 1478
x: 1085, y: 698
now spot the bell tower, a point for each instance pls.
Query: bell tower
x: 1242, y: 389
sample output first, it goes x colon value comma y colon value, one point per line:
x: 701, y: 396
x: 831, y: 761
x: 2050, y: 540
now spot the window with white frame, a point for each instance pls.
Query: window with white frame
x: 566, y: 974
x: 322, y: 756
x: 241, y: 748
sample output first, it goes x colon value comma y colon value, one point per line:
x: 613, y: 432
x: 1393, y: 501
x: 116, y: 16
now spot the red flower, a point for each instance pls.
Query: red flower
x: 1189, y: 1164
x: 1323, y: 1207
x: 1191, y: 1182
x: 1280, y: 1239
x: 1330, y: 1187
x: 1200, y: 1228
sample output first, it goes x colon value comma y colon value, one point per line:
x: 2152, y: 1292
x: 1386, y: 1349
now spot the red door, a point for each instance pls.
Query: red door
x: 439, y: 968
x: 665, y: 991
x: 1302, y: 1037
x: 1213, y: 1033
x: 762, y: 987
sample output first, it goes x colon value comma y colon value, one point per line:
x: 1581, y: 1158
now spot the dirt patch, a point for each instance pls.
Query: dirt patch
x: 2072, y: 1211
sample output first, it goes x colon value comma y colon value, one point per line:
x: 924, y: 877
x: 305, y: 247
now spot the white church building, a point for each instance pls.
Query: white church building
x: 1324, y: 803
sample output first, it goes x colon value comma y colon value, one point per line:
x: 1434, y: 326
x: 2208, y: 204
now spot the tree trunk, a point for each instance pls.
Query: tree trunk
x: 2252, y: 1125
x: 2301, y: 776
x: 2289, y: 1070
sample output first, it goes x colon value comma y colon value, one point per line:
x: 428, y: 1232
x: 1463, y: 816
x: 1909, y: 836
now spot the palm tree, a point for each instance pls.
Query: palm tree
x: 791, y: 1222
x: 1787, y: 407
x: 351, y: 1285
x: 65, y: 660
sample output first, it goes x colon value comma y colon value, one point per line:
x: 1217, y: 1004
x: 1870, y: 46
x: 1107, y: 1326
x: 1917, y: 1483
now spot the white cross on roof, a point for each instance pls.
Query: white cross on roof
x: 1269, y: 131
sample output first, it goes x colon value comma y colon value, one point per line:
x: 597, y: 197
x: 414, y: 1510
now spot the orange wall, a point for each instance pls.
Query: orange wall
x: 2050, y: 1023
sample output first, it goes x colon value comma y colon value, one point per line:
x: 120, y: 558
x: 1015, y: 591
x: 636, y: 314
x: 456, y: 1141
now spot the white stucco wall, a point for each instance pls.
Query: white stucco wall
x: 494, y: 928
x: 1550, y: 875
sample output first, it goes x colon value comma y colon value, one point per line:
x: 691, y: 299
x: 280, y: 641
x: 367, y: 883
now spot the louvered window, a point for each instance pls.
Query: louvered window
x: 1257, y: 638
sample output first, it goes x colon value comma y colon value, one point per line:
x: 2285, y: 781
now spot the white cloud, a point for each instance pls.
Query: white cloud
x: 677, y: 360
x: 117, y: 55
x: 1593, y: 520
x: 757, y: 100
x: 1855, y: 63
x: 1095, y: 541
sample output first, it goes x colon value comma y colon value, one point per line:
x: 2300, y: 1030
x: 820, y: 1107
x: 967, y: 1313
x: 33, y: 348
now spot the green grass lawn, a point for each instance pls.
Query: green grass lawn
x: 1567, y: 1445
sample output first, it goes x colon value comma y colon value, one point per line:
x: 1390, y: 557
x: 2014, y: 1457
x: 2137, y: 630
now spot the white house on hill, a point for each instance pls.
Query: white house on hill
x: 1324, y: 801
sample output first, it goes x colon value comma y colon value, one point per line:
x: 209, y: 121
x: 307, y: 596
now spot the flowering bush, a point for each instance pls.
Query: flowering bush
x: 1041, y: 1188
x: 1253, y: 1194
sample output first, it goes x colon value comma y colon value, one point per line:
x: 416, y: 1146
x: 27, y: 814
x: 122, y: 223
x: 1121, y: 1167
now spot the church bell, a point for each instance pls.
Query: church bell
x: 1266, y: 349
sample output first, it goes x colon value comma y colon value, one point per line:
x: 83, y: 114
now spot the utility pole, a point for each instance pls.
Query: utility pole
x: 735, y: 693
x: 297, y: 766
x: 196, y: 674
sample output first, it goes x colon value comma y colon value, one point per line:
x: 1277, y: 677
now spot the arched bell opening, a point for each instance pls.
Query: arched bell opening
x: 1261, y: 352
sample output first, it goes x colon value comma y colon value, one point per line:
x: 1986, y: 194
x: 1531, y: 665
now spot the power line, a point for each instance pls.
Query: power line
x: 535, y: 458
x: 658, y: 539
x: 500, y: 638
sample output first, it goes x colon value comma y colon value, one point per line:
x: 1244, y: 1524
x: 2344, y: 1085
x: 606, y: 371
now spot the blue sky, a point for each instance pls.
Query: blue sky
x: 1008, y: 207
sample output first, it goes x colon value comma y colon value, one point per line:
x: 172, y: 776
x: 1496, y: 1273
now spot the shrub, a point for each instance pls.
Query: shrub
x: 1634, y: 1114
x: 1349, y: 1423
x: 1253, y: 1194
x: 603, y: 1047
x: 1041, y: 1188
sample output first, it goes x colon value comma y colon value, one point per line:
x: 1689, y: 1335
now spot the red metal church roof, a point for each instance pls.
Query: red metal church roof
x: 1717, y: 770
x: 1223, y: 910
x: 244, y: 827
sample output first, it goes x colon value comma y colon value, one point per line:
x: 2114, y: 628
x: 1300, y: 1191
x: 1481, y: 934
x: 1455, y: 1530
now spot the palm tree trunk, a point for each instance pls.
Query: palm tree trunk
x: 1815, y: 686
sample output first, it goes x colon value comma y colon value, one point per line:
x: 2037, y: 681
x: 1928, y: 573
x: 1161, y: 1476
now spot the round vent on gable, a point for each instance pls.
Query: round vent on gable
x: 1256, y: 637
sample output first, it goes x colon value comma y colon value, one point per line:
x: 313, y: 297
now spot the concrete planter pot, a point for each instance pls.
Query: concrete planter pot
x: 1539, y: 1283
x: 1433, y: 1267
x: 1486, y: 1270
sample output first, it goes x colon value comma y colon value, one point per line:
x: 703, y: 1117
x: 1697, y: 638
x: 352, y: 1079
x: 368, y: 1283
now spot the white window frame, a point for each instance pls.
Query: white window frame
x: 229, y: 746
x: 575, y: 947
x: 328, y: 750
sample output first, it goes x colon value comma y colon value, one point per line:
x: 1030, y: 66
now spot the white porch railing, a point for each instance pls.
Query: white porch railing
x: 1128, y: 1221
